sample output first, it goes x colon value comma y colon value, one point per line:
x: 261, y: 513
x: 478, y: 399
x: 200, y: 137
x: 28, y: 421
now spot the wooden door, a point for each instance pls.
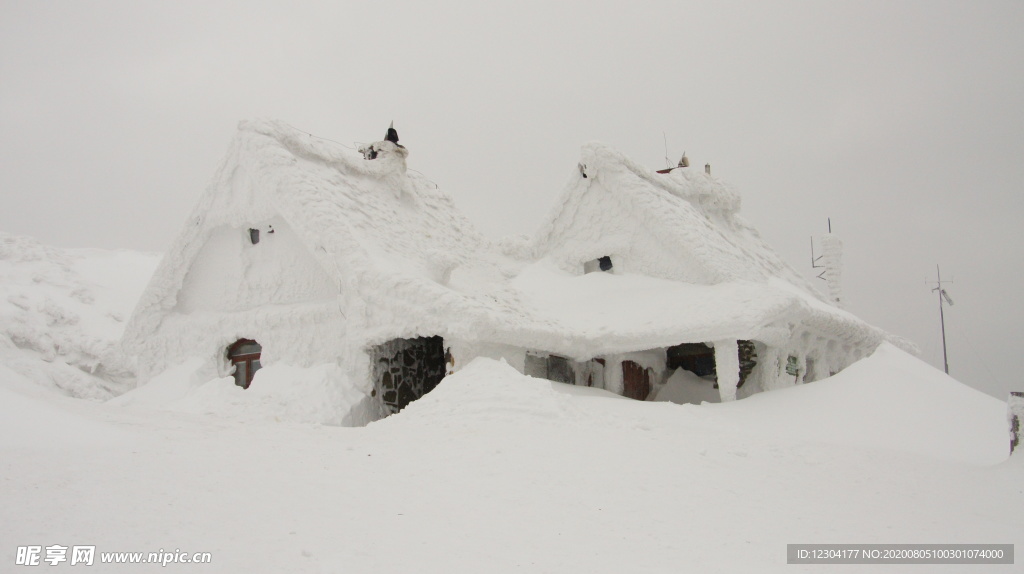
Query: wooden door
x: 636, y: 381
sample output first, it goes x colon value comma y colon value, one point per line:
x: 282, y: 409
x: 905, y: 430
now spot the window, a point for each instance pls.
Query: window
x: 560, y: 371
x: 599, y: 264
x: 792, y: 366
x: 245, y: 356
x: 254, y: 236
x: 550, y: 367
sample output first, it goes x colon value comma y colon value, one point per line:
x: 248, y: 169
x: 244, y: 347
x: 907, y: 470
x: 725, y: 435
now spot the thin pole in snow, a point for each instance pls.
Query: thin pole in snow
x: 814, y: 260
x: 942, y: 316
x: 668, y: 162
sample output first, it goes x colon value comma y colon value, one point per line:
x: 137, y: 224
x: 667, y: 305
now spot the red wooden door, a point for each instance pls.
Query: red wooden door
x: 636, y: 381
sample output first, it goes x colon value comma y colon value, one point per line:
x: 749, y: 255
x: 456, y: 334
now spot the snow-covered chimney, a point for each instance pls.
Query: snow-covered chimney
x: 1015, y: 414
x: 832, y: 261
x: 707, y: 168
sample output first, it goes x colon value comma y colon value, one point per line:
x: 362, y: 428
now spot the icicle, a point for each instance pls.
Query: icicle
x: 727, y: 367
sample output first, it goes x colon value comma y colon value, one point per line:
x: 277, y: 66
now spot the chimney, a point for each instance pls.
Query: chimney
x: 707, y: 168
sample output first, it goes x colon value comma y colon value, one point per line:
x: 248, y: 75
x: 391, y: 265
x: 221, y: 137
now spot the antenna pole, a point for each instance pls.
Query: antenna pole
x: 942, y: 320
x: 668, y: 162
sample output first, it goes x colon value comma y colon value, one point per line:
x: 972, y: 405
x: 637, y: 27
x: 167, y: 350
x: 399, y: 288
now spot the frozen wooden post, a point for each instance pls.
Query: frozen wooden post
x: 1015, y: 414
x: 727, y: 367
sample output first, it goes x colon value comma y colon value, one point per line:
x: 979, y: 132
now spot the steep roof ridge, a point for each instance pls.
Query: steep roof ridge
x: 702, y: 189
x: 710, y: 206
x: 417, y: 223
x: 307, y: 146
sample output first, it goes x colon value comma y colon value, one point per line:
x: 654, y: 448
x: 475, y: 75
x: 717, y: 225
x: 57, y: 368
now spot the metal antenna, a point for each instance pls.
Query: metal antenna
x: 814, y: 260
x: 942, y: 318
x: 668, y: 162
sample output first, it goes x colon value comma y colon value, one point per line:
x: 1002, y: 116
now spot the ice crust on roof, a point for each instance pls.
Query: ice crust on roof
x: 370, y: 225
x: 696, y: 234
x: 386, y: 254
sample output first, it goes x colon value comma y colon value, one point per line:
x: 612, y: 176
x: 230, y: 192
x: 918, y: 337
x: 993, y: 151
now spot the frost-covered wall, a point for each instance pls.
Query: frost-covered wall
x: 230, y: 273
x: 406, y: 369
x: 598, y: 222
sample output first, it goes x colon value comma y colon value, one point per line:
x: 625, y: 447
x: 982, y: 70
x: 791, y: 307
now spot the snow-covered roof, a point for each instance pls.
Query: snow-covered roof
x: 691, y: 214
x: 371, y: 225
x: 404, y: 261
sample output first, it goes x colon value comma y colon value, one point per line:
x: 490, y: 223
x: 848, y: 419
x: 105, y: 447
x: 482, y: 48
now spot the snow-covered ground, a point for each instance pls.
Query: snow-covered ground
x: 62, y: 311
x: 490, y: 472
x: 497, y: 472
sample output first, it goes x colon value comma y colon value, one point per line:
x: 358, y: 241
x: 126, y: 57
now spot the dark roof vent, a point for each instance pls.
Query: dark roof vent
x: 599, y: 264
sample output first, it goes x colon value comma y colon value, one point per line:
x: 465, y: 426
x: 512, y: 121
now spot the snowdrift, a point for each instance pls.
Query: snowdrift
x: 62, y: 311
x: 280, y: 393
x: 497, y: 472
x: 888, y: 401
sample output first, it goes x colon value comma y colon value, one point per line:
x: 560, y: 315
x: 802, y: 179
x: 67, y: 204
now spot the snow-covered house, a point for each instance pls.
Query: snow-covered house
x: 306, y: 254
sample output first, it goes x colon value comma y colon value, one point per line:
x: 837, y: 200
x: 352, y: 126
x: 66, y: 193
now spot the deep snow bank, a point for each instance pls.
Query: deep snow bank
x: 488, y: 391
x: 30, y: 420
x: 495, y: 472
x: 62, y: 311
x: 891, y: 401
x: 281, y: 393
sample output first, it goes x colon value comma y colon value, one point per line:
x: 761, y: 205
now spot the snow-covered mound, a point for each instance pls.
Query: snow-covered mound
x: 496, y: 472
x: 30, y: 419
x: 63, y: 310
x: 280, y: 393
x: 888, y: 401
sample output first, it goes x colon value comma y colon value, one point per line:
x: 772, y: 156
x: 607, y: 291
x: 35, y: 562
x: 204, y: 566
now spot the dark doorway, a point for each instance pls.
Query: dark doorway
x: 406, y: 369
x: 244, y: 354
x: 699, y: 359
x: 636, y: 381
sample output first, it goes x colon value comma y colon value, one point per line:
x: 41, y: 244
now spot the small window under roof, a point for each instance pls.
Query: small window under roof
x: 599, y: 264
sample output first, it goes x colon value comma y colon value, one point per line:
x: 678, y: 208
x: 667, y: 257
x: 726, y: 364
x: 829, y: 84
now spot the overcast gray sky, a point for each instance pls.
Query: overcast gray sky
x: 902, y: 121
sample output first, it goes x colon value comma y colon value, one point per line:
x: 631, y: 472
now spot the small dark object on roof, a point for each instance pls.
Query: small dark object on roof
x: 392, y: 135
